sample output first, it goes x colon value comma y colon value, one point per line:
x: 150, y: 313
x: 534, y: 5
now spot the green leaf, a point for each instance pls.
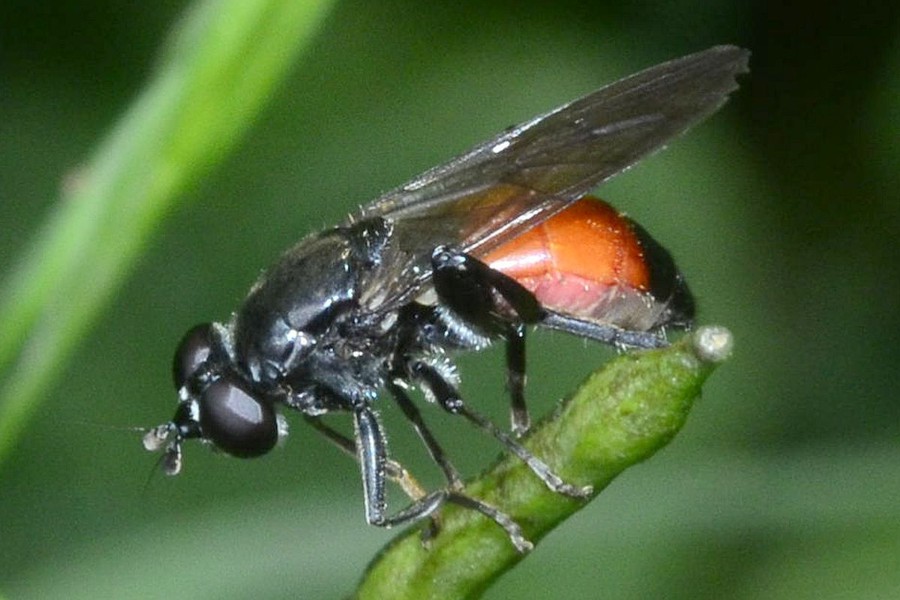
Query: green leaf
x: 620, y: 416
x: 218, y: 69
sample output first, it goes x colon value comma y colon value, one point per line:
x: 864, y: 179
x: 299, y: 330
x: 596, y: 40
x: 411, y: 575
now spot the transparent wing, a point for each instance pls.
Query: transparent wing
x: 530, y: 172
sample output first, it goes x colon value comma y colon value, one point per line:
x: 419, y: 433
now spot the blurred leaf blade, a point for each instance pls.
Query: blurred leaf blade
x: 215, y: 76
x: 619, y: 417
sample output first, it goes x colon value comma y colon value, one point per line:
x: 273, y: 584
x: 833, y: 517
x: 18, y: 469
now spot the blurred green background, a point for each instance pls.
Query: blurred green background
x: 782, y: 210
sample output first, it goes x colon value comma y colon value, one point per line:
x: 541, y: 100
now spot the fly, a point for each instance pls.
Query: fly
x: 468, y: 253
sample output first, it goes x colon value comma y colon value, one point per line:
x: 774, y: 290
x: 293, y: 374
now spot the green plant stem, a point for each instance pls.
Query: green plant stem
x: 620, y: 416
x: 218, y: 69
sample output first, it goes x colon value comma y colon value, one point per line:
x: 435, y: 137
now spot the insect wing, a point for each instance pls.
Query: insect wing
x: 530, y: 172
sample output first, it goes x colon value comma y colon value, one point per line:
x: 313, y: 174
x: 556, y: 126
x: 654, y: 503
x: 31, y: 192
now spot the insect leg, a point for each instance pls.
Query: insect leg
x: 372, y: 458
x: 344, y: 443
x: 607, y: 334
x: 449, y: 399
x: 434, y: 448
x: 371, y: 452
x: 515, y: 379
x: 495, y: 304
x: 473, y: 290
x: 515, y: 533
x: 394, y: 470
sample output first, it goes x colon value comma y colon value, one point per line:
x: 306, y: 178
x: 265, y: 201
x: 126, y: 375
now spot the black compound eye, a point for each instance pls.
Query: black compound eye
x: 192, y: 353
x: 235, y: 421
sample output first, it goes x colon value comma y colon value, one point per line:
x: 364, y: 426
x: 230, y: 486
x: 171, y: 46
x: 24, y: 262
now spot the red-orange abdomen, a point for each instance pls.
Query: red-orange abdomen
x: 590, y: 261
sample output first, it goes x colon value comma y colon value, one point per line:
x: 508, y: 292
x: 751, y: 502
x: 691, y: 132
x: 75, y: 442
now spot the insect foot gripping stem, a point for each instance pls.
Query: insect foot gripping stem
x: 620, y: 416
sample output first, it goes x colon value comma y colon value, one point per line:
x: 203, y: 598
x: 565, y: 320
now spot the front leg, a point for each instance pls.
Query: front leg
x: 372, y: 453
x: 448, y: 398
x: 395, y: 471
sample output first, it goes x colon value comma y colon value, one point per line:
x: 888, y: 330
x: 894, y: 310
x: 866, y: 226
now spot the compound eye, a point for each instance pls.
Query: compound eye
x: 192, y: 353
x: 235, y: 421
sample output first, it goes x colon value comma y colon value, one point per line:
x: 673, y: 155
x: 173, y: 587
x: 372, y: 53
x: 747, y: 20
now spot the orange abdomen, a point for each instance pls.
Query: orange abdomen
x: 588, y: 261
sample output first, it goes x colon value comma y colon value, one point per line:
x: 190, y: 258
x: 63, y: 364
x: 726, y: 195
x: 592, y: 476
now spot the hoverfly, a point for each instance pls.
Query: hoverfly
x: 467, y: 253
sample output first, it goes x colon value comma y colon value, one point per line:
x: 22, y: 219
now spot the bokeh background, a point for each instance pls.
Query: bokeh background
x: 782, y: 210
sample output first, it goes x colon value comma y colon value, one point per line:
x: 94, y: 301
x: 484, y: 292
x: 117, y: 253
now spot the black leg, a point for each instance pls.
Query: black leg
x: 372, y: 458
x: 607, y: 334
x: 515, y: 379
x: 372, y: 454
x: 515, y: 533
x: 393, y: 470
x: 495, y: 305
x: 449, y: 399
x: 471, y: 289
x: 338, y: 439
x: 434, y: 449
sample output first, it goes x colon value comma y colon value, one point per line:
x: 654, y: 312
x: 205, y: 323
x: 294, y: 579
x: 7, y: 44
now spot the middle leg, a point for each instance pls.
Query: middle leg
x: 449, y: 399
